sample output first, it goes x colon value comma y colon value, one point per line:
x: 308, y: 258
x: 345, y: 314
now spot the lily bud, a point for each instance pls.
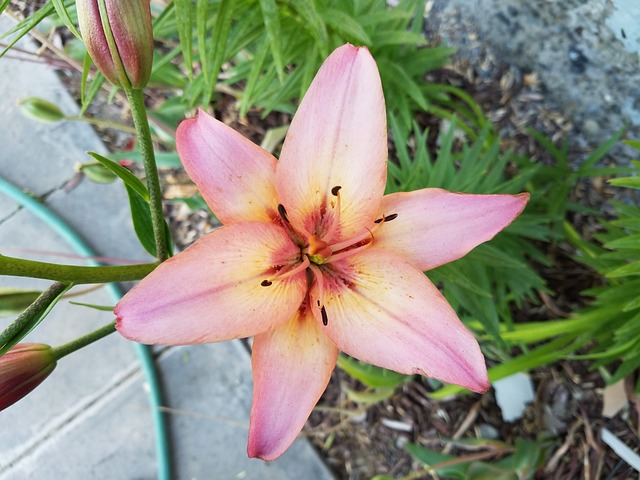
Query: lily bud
x: 22, y: 369
x: 119, y: 39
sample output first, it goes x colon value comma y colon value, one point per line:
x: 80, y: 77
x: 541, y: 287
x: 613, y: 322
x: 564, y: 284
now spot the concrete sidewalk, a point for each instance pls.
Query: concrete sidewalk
x: 91, y: 418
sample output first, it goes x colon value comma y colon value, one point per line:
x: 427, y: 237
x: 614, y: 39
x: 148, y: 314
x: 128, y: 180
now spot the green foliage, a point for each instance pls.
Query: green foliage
x: 616, y: 304
x: 139, y: 203
x: 522, y: 464
x: 15, y: 300
x: 370, y: 376
x: 484, y: 285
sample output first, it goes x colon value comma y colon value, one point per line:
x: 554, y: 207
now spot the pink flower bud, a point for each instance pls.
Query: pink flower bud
x: 22, y: 369
x: 119, y: 39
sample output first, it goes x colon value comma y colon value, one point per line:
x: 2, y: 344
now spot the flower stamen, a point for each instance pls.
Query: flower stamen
x: 287, y: 273
x: 319, y: 312
x: 325, y: 319
x: 386, y: 218
x: 283, y: 213
x: 335, y: 221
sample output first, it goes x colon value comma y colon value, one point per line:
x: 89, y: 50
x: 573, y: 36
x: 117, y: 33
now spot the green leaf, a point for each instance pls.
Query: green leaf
x: 369, y: 375
x: 395, y: 37
x: 371, y: 397
x: 486, y: 471
x: 429, y: 458
x: 129, y: 179
x: 629, y: 182
x: 102, y: 308
x: 271, y: 17
x: 15, y: 300
x: 31, y: 317
x: 346, y: 25
x: 25, y: 26
x: 184, y: 19
x: 313, y: 22
x: 63, y: 13
x: 141, y: 217
x: 624, y: 271
x: 215, y: 56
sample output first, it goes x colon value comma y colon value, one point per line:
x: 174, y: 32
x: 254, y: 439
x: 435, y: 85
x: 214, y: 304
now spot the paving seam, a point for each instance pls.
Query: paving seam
x: 76, y: 414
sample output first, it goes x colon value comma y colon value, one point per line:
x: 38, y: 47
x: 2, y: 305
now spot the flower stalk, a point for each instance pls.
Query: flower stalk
x: 81, y: 342
x: 141, y: 122
x: 76, y: 274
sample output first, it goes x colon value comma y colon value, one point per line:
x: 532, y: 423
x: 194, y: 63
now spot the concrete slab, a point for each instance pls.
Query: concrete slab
x: 584, y: 51
x: 91, y: 419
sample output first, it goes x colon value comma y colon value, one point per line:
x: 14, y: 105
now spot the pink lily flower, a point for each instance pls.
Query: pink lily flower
x: 312, y: 258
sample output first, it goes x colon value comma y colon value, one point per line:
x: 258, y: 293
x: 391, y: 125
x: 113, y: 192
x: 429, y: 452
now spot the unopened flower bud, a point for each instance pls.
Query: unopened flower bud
x: 119, y: 39
x: 22, y: 369
x: 41, y: 109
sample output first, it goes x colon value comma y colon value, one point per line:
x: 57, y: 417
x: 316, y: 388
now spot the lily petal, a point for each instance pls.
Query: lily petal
x: 435, y: 226
x: 292, y: 365
x: 338, y: 137
x: 383, y: 311
x: 212, y: 291
x: 235, y: 176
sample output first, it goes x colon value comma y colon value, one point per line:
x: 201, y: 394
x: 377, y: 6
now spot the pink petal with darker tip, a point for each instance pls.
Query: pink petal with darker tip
x: 292, y: 365
x: 338, y: 137
x: 434, y: 226
x: 383, y: 311
x: 212, y: 291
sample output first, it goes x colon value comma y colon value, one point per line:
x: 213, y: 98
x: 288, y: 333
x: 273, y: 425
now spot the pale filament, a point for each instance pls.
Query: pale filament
x: 335, y: 218
x: 302, y: 266
x: 316, y: 309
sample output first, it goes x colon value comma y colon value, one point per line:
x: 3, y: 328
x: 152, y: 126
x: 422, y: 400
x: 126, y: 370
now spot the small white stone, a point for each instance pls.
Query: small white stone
x: 513, y: 393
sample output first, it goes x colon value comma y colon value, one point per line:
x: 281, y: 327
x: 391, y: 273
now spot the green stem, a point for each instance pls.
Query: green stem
x: 32, y: 316
x: 19, y: 267
x: 81, y: 342
x: 139, y: 114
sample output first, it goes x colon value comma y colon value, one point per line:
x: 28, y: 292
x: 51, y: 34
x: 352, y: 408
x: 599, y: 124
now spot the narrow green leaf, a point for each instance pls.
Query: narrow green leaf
x: 252, y: 79
x: 346, y: 25
x: 601, y: 151
x: 215, y: 55
x: 15, y: 300
x: 3, y: 5
x: 30, y: 318
x: 141, y: 217
x: 102, y: 308
x: 129, y: 179
x: 184, y: 19
x: 430, y: 458
x: 624, y: 271
x: 370, y: 397
x: 313, y: 22
x: 63, y: 13
x: 629, y: 182
x: 25, y: 26
x: 271, y: 17
x: 202, y: 15
x: 395, y: 37
x: 369, y: 375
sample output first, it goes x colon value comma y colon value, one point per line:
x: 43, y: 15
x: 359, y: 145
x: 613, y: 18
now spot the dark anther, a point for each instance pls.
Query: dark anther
x: 386, y: 218
x: 266, y: 283
x: 325, y: 319
x: 283, y: 212
x: 335, y: 190
x: 318, y: 302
